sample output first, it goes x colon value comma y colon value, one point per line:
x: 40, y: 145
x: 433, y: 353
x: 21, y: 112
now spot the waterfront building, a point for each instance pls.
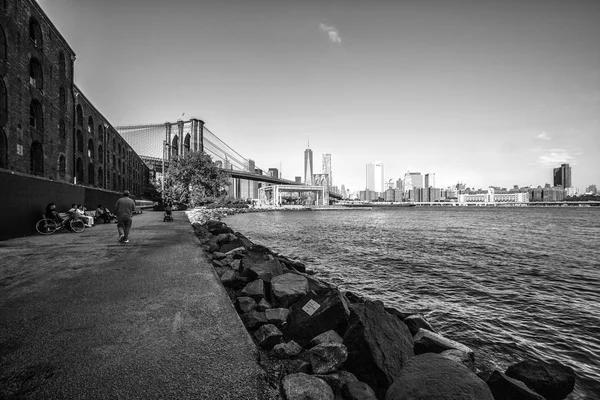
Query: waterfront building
x: 398, y: 195
x: 375, y: 177
x: 308, y: 166
x: 400, y: 184
x: 274, y: 172
x: 48, y: 127
x: 553, y: 194
x: 368, y: 195
x: 389, y: 195
x: 491, y: 197
x: 535, y: 194
x: 429, y: 180
x: 572, y: 191
x: 562, y: 176
x: 591, y: 189
x: 326, y: 168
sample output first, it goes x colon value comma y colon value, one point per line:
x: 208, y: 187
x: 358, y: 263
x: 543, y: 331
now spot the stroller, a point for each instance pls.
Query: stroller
x: 168, y: 217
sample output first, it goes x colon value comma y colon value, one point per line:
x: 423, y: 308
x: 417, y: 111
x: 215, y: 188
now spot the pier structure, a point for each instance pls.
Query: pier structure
x: 272, y: 195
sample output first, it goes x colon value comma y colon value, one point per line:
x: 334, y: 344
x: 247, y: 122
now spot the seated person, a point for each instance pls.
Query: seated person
x: 111, y: 216
x: 80, y: 213
x: 52, y: 214
x: 100, y: 214
x: 168, y: 210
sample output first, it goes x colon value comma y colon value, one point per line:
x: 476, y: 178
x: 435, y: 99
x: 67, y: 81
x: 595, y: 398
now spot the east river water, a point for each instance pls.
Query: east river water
x: 511, y: 283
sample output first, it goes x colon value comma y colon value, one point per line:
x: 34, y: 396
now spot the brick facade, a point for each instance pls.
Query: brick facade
x: 40, y: 133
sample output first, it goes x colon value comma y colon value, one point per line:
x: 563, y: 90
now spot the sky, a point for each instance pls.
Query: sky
x: 489, y: 93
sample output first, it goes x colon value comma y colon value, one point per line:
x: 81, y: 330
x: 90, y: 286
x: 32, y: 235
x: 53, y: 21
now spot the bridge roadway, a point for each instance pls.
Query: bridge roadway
x: 85, y: 317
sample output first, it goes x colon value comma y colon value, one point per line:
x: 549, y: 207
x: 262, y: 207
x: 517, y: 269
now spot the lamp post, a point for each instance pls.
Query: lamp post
x: 162, y: 178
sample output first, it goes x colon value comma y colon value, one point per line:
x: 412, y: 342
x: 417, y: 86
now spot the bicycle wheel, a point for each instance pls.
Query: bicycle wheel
x: 45, y: 226
x: 77, y: 225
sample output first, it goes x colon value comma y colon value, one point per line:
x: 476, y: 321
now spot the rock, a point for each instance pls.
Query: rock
x: 235, y: 265
x: 378, y: 344
x: 263, y: 305
x: 277, y: 316
x: 287, y: 350
x: 301, y: 386
x: 246, y: 304
x: 330, y: 336
x: 223, y: 238
x: 431, y: 342
x: 506, y: 388
x: 253, y: 319
x: 460, y: 356
x: 346, y: 377
x: 264, y: 270
x: 433, y: 377
x: 314, y: 314
x: 416, y: 321
x: 333, y: 380
x: 218, y: 255
x: 292, y: 264
x: 288, y: 288
x: 245, y: 241
x: 231, y: 245
x: 237, y: 253
x: 268, y: 336
x: 358, y: 391
x: 232, y: 279
x: 255, y: 289
x: 217, y: 227
x: 218, y: 264
x: 303, y: 366
x: 326, y: 358
x: 213, y: 246
x: 551, y: 379
x: 353, y: 298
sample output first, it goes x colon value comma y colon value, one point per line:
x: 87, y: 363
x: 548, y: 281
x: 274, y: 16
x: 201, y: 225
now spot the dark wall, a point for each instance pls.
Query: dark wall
x: 24, y: 199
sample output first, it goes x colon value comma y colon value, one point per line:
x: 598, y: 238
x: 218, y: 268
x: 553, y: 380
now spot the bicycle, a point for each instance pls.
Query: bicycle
x: 47, y: 226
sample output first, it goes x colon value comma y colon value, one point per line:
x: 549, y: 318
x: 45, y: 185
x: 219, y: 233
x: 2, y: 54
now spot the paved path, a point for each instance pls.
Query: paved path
x: 85, y: 317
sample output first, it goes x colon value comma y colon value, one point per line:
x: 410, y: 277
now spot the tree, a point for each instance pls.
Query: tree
x: 193, y: 179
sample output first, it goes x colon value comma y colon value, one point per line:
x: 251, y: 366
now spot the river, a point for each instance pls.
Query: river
x: 511, y: 283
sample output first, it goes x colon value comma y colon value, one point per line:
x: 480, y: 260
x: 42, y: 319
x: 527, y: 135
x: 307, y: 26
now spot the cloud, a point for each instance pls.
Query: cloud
x: 333, y: 33
x: 558, y: 156
x: 543, y: 136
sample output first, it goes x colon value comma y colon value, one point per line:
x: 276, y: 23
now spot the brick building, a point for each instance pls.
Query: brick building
x: 48, y: 128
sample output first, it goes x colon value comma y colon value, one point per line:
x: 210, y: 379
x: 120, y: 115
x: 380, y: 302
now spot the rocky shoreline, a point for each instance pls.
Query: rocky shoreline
x: 317, y: 342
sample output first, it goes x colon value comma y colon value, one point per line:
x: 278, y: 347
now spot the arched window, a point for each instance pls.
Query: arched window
x: 36, y: 117
x: 175, y: 146
x: 79, y: 171
x: 35, y: 74
x: 62, y: 99
x: 79, y: 115
x: 90, y: 127
x: 62, y: 128
x: 91, y: 174
x: 100, y: 177
x: 3, y: 149
x: 62, y: 166
x: 2, y: 44
x: 100, y: 134
x: 36, y: 159
x: 3, y: 102
x: 62, y: 70
x: 79, y: 138
x: 186, y: 144
x: 35, y: 32
x: 90, y: 148
x: 100, y: 153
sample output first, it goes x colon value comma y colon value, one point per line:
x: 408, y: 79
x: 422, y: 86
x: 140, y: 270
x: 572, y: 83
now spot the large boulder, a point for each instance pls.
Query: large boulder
x: 416, y: 321
x: 358, y: 391
x: 327, y: 357
x: 326, y: 337
x: 217, y: 227
x: 255, y: 289
x: 551, y: 379
x: 268, y: 336
x: 288, y: 288
x: 461, y: 356
x: 506, y: 388
x: 378, y: 344
x: 314, y: 314
x: 301, y: 386
x: 433, y: 377
x: 232, y: 279
x: 263, y: 270
x: 431, y: 342
x: 292, y: 264
x: 231, y: 245
x: 287, y: 350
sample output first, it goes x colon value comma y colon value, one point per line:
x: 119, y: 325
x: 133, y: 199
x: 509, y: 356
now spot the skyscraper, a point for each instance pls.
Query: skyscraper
x: 413, y: 180
x: 562, y: 176
x: 375, y: 177
x: 308, y: 166
x: 327, y: 168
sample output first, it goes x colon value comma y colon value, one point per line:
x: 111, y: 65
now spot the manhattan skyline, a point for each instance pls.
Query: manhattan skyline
x: 474, y: 92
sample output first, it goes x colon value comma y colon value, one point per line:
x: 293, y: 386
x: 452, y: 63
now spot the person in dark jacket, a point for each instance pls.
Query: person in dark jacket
x: 124, y: 209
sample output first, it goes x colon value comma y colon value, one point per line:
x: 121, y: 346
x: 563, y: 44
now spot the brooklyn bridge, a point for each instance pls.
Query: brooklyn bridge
x: 158, y: 144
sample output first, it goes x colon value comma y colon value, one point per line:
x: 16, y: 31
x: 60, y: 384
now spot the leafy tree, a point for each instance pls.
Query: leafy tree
x: 193, y: 179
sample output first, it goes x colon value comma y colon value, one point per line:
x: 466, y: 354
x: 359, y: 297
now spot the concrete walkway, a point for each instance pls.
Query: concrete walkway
x: 85, y: 317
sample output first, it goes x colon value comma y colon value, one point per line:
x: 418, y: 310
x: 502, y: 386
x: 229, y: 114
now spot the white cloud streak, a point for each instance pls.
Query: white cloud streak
x: 558, y: 156
x: 543, y: 136
x: 333, y: 33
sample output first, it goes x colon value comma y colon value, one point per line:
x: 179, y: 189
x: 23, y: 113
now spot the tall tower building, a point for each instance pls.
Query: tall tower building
x: 562, y: 176
x: 327, y: 168
x: 308, y: 166
x: 413, y: 180
x: 375, y: 177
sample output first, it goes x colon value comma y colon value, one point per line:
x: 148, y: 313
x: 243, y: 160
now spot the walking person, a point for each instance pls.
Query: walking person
x: 124, y: 209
